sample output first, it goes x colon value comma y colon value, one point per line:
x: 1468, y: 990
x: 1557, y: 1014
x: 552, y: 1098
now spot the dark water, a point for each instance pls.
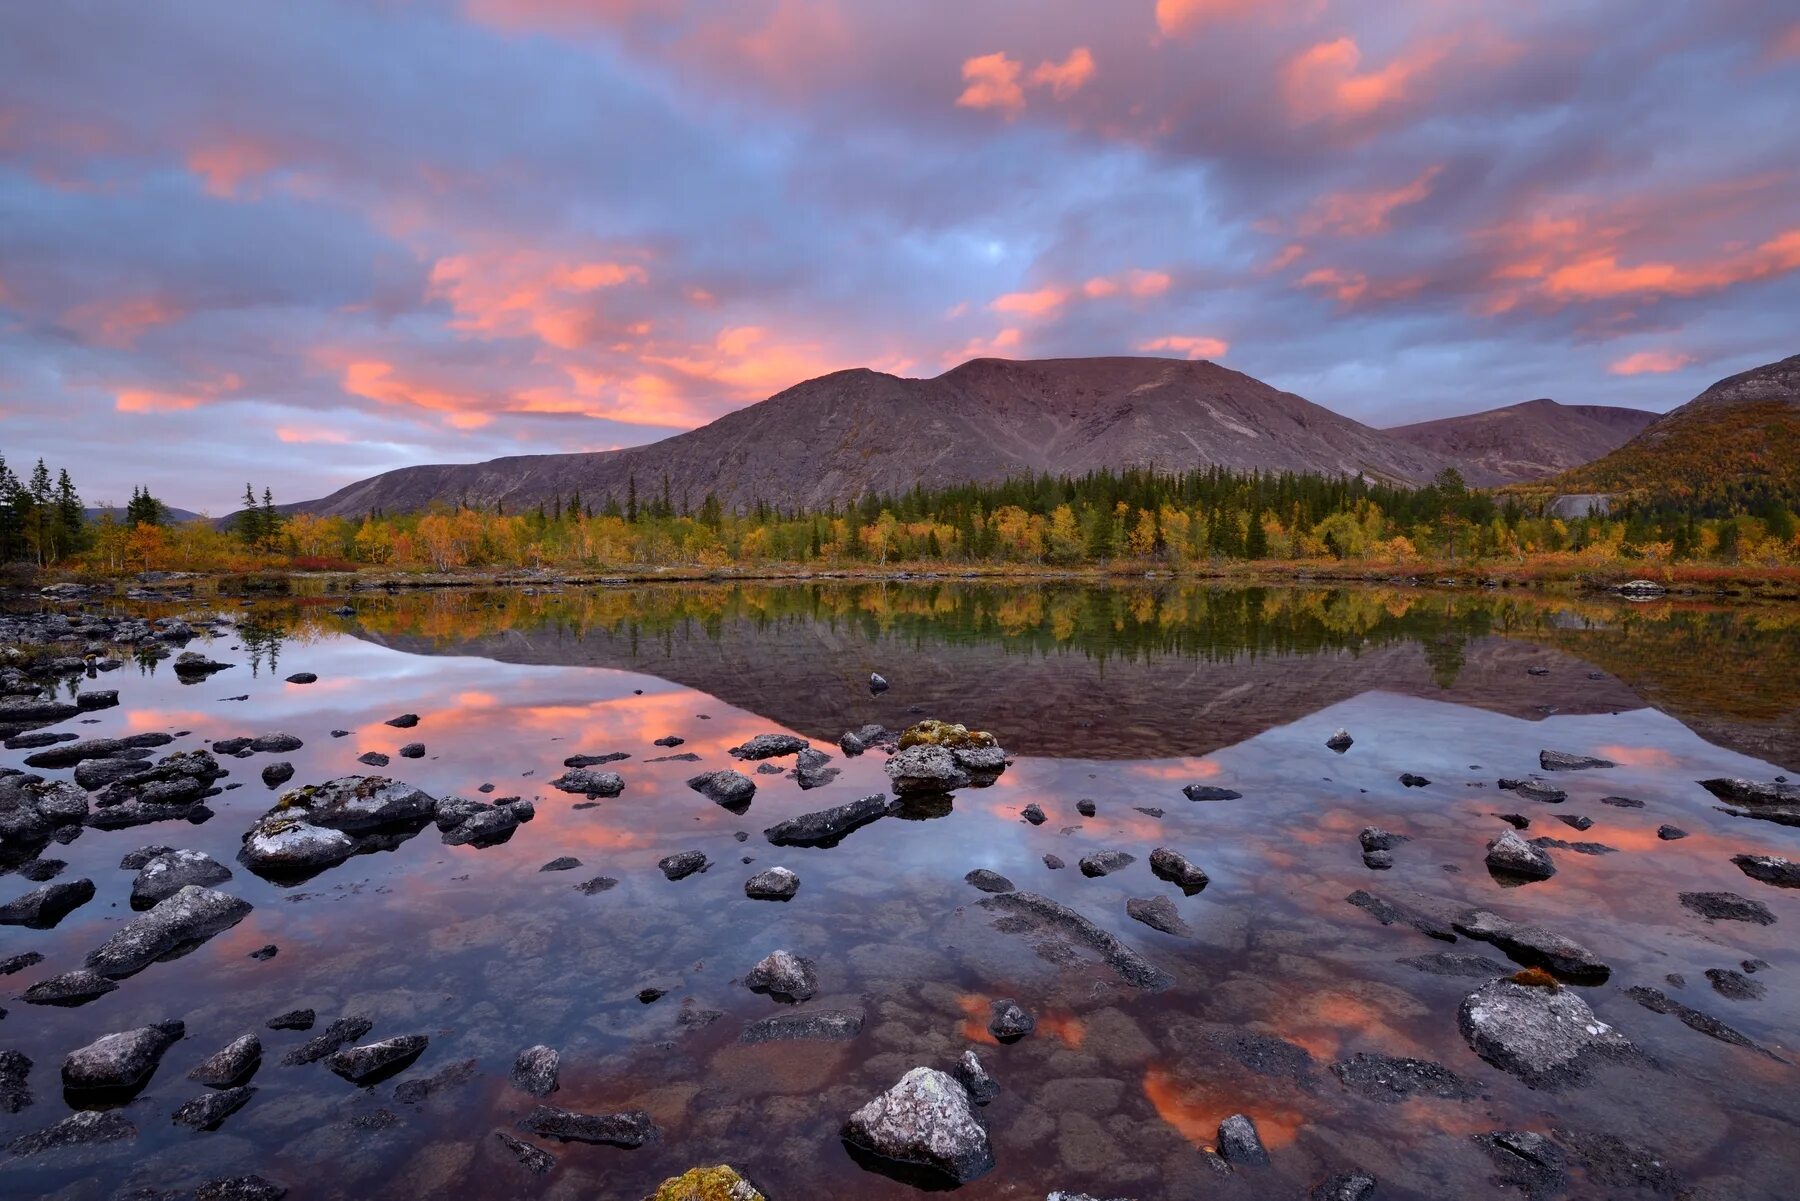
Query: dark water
x: 1121, y: 696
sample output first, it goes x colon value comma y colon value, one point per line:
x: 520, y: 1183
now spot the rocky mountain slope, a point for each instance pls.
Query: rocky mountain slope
x: 1737, y: 444
x: 1525, y: 441
x: 841, y: 436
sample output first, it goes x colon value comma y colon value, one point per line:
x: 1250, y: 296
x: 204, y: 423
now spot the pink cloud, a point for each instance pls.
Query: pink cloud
x: 1323, y: 81
x: 166, y: 400
x: 226, y: 164
x: 1182, y: 16
x: 1192, y: 347
x: 1031, y: 304
x: 1066, y: 78
x: 118, y: 323
x: 1362, y: 214
x: 992, y: 81
x: 515, y: 294
x: 309, y: 434
x: 1650, y: 362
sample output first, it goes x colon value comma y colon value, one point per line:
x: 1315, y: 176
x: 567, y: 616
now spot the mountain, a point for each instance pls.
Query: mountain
x: 1525, y: 441
x: 175, y: 516
x: 1737, y: 444
x: 841, y: 436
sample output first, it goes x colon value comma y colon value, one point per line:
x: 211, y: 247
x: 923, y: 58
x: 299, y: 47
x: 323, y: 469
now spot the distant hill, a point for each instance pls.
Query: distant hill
x: 118, y: 511
x: 1526, y: 441
x: 842, y: 436
x: 1737, y: 444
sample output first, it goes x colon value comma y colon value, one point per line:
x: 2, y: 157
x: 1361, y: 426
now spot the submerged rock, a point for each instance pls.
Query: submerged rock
x: 191, y: 916
x: 784, y: 975
x: 1390, y: 913
x: 1159, y: 913
x: 1770, y: 869
x: 1728, y: 907
x: 1534, y: 946
x: 233, y: 1064
x: 122, y: 1062
x: 1392, y: 1079
x: 334, y: 1036
x: 928, y: 1121
x: 1031, y: 913
x: 1008, y: 1021
x: 86, y: 1128
x: 829, y: 1025
x: 826, y: 826
x: 1527, y: 1161
x: 629, y: 1129
x: 1658, y: 1001
x: 1345, y: 1186
x: 535, y: 1160
x: 208, y: 1110
x: 1548, y: 1037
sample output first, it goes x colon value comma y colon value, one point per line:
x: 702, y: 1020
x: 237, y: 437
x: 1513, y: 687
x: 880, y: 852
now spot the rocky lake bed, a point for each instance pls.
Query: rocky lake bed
x: 861, y: 890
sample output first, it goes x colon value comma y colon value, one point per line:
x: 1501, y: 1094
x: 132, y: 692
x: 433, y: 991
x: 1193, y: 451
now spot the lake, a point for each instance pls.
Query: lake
x: 1269, y: 984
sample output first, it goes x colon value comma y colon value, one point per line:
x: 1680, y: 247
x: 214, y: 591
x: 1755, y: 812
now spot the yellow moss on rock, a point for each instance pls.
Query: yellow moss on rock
x: 947, y: 735
x: 720, y: 1183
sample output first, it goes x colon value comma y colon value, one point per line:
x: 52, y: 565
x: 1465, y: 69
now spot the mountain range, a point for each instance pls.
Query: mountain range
x: 836, y: 438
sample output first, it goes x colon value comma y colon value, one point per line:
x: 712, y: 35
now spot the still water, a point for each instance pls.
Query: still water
x: 1121, y: 696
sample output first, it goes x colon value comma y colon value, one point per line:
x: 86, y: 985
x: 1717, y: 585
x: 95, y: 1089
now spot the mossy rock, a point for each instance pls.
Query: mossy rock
x: 947, y: 735
x: 721, y: 1183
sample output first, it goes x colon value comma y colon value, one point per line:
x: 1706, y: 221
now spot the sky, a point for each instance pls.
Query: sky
x: 298, y: 244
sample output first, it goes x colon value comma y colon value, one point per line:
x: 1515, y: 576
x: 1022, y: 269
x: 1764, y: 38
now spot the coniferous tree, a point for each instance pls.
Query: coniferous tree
x: 71, y: 518
x: 249, y: 520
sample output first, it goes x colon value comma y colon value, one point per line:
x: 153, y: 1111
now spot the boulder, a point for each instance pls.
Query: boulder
x: 1534, y: 946
x: 927, y: 1120
x: 785, y: 976
x: 925, y: 769
x: 1510, y: 855
x: 535, y: 1070
x: 730, y: 789
x: 166, y: 874
x: 43, y: 907
x: 278, y: 845
x: 1548, y: 1037
x: 357, y: 803
x: 122, y: 1062
x: 774, y: 884
x: 189, y: 917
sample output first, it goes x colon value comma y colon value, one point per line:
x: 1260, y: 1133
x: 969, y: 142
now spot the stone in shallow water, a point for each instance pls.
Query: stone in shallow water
x: 828, y: 1025
x: 825, y: 827
x: 683, y: 864
x: 1448, y: 963
x: 1658, y: 1001
x: 193, y: 915
x: 720, y: 1183
x: 168, y: 873
x: 926, y: 1121
x: 1207, y: 792
x: 1770, y: 869
x: 988, y: 881
x: 207, y: 1111
x: 1548, y: 1037
x: 535, y: 1160
x: 1346, y: 1186
x: 1009, y: 1021
x: 775, y: 884
x: 70, y: 988
x: 1534, y: 946
x: 563, y: 863
x: 784, y: 975
x: 1159, y: 913
x: 1390, y: 913
x: 732, y: 790
x: 535, y: 1070
x: 240, y: 1188
x: 1527, y: 1161
x: 925, y: 769
x: 1510, y: 855
x: 1728, y: 907
x: 629, y: 1129
x: 120, y: 1062
x: 15, y: 1074
x: 376, y: 1061
x: 769, y: 746
x: 1239, y: 1143
x: 1392, y: 1079
x: 590, y: 783
x: 235, y: 1063
x: 973, y: 1075
x: 1104, y: 863
x: 341, y: 1031
x: 1564, y: 761
x: 1173, y: 866
x: 42, y: 908
x: 87, y: 1128
x: 1031, y: 913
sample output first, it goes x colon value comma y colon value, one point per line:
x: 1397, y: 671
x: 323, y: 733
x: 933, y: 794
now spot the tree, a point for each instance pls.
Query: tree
x: 40, y: 521
x: 249, y: 520
x: 1256, y: 538
x: 269, y: 521
x: 71, y: 517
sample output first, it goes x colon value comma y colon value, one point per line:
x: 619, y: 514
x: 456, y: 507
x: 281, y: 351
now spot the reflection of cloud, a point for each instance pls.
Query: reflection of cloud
x: 1639, y: 756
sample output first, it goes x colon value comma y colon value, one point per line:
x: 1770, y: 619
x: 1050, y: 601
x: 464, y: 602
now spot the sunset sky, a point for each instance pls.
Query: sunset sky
x: 301, y: 243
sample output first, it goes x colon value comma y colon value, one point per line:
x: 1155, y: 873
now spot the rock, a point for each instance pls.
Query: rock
x: 1374, y: 838
x: 535, y: 1070
x: 683, y: 864
x: 356, y: 804
x: 1534, y: 946
x: 1054, y: 862
x: 1548, y: 1037
x: 972, y: 1074
x: 276, y: 774
x: 276, y: 742
x: 1770, y: 869
x: 535, y: 1160
x: 1206, y: 792
x: 1563, y: 761
x: 988, y: 881
x: 730, y: 789
x: 1447, y: 963
x: 775, y: 884
x: 1536, y: 790
x: 670, y: 741
x: 597, y: 885
x: 769, y: 746
x: 829, y: 1025
x: 87, y: 1128
x: 1728, y: 907
x: 168, y: 873
x: 1239, y: 1143
x: 15, y: 1077
x: 1174, y: 867
x: 240, y: 1188
x: 827, y: 826
x: 1409, y: 780
x: 1379, y: 861
x: 1527, y: 1161
x: 720, y: 1183
x: 1159, y: 913
x: 373, y: 759
x: 1034, y: 814
x: 590, y: 783
x: 89, y: 702
x: 1734, y: 986
x: 928, y: 1121
x: 630, y: 1129
x: 334, y: 1036
x: 1345, y: 1186
x: 1390, y: 913
x: 235, y: 1063
x: 925, y: 769
x: 1391, y: 1079
x: 1658, y: 1001
x: 1030, y: 913
x: 303, y: 677
x: 783, y: 975
x: 810, y: 770
x: 293, y: 1019
x: 1510, y: 855
x: 287, y: 846
x: 855, y: 742
x: 192, y: 665
x: 70, y: 988
x: 206, y: 1111
x: 373, y: 1062
x: 1008, y: 1021
x: 405, y: 721
x: 413, y: 750
x: 42, y: 908
x: 1086, y: 808
x: 122, y: 1062
x: 877, y: 683
x: 1738, y: 791
x: 1621, y: 802
x: 191, y: 916
x: 1104, y: 863
x: 1340, y: 740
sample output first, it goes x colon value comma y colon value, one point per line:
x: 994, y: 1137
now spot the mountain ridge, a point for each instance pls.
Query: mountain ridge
x: 1528, y: 440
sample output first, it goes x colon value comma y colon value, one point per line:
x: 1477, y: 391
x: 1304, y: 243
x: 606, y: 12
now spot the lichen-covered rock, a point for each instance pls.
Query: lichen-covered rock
x: 721, y: 1183
x: 357, y: 803
x: 926, y: 1120
x: 535, y: 1070
x: 192, y: 915
x: 279, y: 844
x: 166, y: 874
x: 1548, y: 1037
x: 925, y: 768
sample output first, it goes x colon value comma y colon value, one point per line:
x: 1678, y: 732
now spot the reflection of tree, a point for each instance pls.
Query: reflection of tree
x: 262, y: 639
x: 1445, y: 654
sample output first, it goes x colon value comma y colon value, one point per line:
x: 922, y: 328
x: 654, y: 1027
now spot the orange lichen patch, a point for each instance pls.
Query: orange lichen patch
x: 975, y: 1017
x: 1195, y: 1111
x: 1065, y: 1026
x: 1536, y: 977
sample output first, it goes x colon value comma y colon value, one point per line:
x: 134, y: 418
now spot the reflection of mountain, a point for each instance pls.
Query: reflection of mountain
x: 811, y: 676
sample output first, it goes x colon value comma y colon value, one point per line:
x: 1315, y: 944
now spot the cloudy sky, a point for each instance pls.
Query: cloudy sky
x: 302, y: 243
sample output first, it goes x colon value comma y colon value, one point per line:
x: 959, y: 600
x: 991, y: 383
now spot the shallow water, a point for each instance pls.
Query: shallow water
x: 1118, y: 695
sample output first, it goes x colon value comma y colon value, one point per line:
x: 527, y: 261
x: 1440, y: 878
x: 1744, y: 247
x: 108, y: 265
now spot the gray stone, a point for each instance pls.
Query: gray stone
x: 276, y: 774
x: 630, y: 1129
x: 826, y: 826
x: 1510, y: 855
x: 166, y: 874
x: 42, y: 908
x: 1340, y: 740
x: 233, y: 1064
x: 1534, y: 946
x: 1345, y: 1186
x: 775, y: 884
x: 1104, y: 863
x: 87, y: 1128
x: 1728, y: 907
x: 535, y: 1160
x: 731, y: 789
x: 1770, y: 869
x: 769, y: 746
x: 208, y: 1110
x: 376, y: 1061
x: 972, y: 1074
x: 683, y: 864
x: 278, y: 844
x: 988, y: 881
x: 1208, y: 792
x: 334, y: 1036
x: 1029, y: 912
x: 1173, y: 866
x: 276, y: 742
x: 120, y: 1062
x: 590, y: 783
x: 15, y: 1077
x: 1159, y: 913
x: 1008, y: 1021
x: 1391, y: 1079
x: 535, y: 1070
x: 926, y: 1120
x: 1563, y: 761
x: 828, y: 1025
x: 192, y: 915
x: 1548, y: 1037
x: 925, y: 769
x: 1239, y: 1143
x: 357, y: 803
x: 70, y: 988
x: 784, y: 975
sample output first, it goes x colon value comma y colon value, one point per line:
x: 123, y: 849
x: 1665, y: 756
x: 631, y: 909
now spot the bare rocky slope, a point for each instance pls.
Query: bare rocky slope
x: 842, y: 436
x: 1525, y: 441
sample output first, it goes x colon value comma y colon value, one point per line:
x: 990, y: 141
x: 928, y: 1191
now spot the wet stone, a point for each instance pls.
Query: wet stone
x: 1735, y: 986
x: 1104, y: 863
x: 1670, y: 833
x: 829, y: 1025
x: 925, y: 1121
x: 1526, y: 1161
x: 1510, y: 855
x: 1086, y: 808
x: 1239, y: 1144
x: 535, y: 1160
x: 730, y: 789
x: 1390, y: 1079
x: 240, y: 1188
x: 563, y: 863
x: 1534, y: 946
x: 988, y: 881
x: 1658, y: 1001
x: 598, y: 884
x: 1450, y: 963
x: 168, y: 872
x: 972, y: 1074
x: 1770, y: 869
x: 1564, y: 761
x: 15, y: 1074
x: 70, y: 988
x: 783, y: 975
x: 373, y: 1062
x: 682, y: 864
x: 1008, y: 1021
x: 293, y: 1019
x: 413, y: 750
x: 1728, y: 907
x: 405, y: 721
x: 86, y: 1128
x: 208, y: 1110
x: 535, y: 1070
x: 334, y: 1036
x: 373, y: 759
x: 769, y: 746
x: 1159, y: 913
x: 826, y: 826
x: 119, y: 1062
x: 1345, y: 1186
x: 1548, y: 1037
x: 1034, y: 814
x: 774, y: 884
x: 191, y: 916
x: 42, y: 908
x: 1208, y: 792
x: 630, y: 1129
x: 233, y: 1064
